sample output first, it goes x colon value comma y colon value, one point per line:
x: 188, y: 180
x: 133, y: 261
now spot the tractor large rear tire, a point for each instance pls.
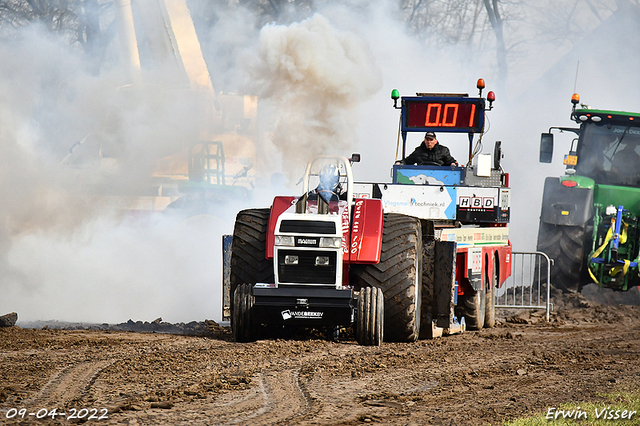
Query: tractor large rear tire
x: 398, y: 275
x: 369, y: 327
x: 249, y: 263
x: 565, y: 245
x: 242, y: 321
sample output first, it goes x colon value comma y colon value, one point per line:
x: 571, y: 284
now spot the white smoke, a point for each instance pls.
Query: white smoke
x: 314, y: 77
x: 66, y: 254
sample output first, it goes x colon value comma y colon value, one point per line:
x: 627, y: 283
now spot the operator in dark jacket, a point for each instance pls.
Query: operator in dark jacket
x: 430, y: 151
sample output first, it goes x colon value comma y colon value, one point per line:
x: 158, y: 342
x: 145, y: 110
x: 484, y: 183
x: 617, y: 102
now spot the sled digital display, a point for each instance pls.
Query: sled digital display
x: 443, y: 114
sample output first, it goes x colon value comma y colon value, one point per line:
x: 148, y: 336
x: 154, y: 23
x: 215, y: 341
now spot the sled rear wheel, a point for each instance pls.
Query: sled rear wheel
x: 474, y: 305
x: 489, y: 286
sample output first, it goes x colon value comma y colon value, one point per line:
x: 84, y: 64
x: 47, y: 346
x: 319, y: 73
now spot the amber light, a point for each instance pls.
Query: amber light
x: 569, y: 183
x: 480, y: 84
x: 575, y: 99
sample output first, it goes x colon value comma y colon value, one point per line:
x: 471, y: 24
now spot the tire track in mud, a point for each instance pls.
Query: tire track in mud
x: 281, y: 395
x: 283, y: 398
x: 69, y: 384
x: 279, y: 399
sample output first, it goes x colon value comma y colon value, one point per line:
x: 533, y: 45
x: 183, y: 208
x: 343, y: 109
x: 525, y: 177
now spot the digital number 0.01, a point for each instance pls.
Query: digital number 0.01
x: 448, y: 117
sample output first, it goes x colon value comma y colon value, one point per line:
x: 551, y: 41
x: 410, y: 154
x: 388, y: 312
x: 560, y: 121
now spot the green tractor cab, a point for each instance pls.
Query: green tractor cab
x: 589, y: 217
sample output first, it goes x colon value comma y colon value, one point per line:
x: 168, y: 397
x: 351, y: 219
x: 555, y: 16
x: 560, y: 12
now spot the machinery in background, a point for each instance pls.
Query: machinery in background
x: 589, y: 216
x: 168, y: 139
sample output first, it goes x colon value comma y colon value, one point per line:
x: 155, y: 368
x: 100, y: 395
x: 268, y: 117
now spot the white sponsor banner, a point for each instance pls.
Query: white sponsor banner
x: 425, y: 202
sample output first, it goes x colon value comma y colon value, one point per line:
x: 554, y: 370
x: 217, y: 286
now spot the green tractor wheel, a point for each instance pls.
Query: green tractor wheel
x: 565, y: 245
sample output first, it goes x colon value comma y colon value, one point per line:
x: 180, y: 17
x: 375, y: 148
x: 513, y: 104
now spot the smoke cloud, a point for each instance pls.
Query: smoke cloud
x: 313, y: 77
x: 68, y: 249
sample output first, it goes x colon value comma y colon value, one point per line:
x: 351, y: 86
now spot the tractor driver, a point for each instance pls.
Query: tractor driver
x: 430, y: 152
x: 624, y: 165
x: 329, y: 187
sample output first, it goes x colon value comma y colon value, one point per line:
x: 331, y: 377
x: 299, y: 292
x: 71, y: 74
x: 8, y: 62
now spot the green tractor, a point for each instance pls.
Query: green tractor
x: 589, y: 217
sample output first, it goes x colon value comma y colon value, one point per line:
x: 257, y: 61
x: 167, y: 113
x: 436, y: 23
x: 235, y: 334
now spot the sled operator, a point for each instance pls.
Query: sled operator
x: 430, y: 152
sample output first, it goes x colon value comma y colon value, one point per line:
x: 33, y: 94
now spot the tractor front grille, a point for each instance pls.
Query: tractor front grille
x: 308, y: 227
x: 306, y: 271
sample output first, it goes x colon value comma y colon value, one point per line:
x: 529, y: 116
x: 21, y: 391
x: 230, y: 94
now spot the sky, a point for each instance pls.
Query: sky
x: 324, y: 84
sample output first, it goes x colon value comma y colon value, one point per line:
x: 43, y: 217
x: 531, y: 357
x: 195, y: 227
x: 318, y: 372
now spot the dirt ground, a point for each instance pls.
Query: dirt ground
x: 521, y: 367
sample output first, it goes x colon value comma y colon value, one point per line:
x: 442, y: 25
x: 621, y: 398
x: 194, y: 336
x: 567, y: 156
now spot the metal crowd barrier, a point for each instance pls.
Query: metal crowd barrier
x: 528, y: 286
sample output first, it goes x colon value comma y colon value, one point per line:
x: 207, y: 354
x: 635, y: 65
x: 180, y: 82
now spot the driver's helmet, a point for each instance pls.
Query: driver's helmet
x: 329, y: 182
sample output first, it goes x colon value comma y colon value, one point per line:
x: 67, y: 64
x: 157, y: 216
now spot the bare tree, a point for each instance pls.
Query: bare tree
x: 477, y: 24
x: 445, y: 21
x: 493, y: 14
x: 78, y: 21
x: 561, y: 22
x: 57, y: 15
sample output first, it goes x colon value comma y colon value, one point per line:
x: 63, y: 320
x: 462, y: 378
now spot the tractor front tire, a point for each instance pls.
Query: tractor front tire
x: 249, y: 263
x: 398, y: 275
x: 369, y: 326
x: 565, y: 245
x: 241, y: 319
